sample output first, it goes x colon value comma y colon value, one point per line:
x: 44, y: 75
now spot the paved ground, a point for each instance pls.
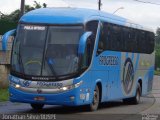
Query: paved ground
x: 148, y: 109
x: 155, y: 108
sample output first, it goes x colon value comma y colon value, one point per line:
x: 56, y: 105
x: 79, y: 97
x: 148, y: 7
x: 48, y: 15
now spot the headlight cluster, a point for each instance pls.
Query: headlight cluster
x: 14, y: 85
x: 65, y: 88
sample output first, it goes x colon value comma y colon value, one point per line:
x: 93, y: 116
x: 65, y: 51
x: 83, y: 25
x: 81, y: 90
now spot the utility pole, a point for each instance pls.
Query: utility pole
x: 22, y: 7
x: 99, y: 5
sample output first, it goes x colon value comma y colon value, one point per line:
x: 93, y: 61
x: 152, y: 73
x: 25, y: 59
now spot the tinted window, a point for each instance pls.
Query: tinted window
x: 120, y: 38
x: 90, y: 26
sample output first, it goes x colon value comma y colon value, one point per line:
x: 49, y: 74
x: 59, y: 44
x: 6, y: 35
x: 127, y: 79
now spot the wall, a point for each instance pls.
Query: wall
x: 5, y: 63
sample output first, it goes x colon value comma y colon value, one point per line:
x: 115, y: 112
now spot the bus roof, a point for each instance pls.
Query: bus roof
x: 74, y: 16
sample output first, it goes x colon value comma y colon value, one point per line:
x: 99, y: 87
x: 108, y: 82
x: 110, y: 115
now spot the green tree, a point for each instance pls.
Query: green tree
x: 37, y: 5
x: 9, y: 21
x: 157, y: 38
x: 157, y: 48
x: 14, y: 16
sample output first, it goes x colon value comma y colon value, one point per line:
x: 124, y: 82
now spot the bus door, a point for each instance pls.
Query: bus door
x: 113, y: 69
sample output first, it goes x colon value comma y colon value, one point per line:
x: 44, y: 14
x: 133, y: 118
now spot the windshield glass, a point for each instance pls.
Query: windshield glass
x: 46, y: 51
x: 61, y: 56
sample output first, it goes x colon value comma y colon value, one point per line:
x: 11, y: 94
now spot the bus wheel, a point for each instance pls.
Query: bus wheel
x: 37, y: 106
x: 136, y: 99
x: 94, y: 105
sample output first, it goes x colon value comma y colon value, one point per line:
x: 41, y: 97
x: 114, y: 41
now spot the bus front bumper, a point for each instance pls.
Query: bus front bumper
x: 69, y: 98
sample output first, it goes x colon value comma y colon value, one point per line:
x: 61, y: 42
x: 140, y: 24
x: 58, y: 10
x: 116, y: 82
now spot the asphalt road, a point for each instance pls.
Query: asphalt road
x: 148, y: 109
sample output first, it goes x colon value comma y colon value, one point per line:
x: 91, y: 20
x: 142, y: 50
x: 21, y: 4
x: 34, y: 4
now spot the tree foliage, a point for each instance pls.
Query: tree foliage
x: 157, y: 36
x: 157, y: 48
x: 9, y: 21
x: 15, y: 15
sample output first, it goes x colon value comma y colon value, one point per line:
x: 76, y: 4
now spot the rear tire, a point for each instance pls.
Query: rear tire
x: 37, y: 106
x: 96, y: 98
x: 136, y: 99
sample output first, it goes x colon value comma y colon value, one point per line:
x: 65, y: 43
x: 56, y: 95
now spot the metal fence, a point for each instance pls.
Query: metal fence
x: 5, y: 55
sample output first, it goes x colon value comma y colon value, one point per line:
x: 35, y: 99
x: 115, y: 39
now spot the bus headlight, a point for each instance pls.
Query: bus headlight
x: 14, y: 85
x: 65, y: 88
x: 17, y: 86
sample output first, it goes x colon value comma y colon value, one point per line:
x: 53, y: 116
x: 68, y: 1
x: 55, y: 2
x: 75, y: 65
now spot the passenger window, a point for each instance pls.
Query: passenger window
x: 116, y: 35
x: 102, y: 40
x: 90, y: 26
x: 125, y: 39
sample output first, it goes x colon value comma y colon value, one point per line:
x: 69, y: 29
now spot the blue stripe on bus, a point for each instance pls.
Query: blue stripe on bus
x: 132, y: 56
x: 137, y: 61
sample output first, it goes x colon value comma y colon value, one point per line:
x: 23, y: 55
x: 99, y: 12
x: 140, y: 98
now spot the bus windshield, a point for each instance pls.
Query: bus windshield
x: 46, y: 51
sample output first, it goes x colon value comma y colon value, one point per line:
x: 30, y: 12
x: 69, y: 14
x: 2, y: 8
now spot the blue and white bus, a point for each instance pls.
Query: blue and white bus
x: 74, y: 56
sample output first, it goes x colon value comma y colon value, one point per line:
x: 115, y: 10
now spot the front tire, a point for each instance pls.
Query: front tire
x: 96, y: 98
x: 37, y: 106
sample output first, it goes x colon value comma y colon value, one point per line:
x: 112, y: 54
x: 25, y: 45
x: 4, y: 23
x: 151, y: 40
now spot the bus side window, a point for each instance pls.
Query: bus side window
x: 88, y: 52
x: 138, y: 34
x: 132, y: 41
x: 143, y: 42
x: 102, y: 39
x: 150, y: 42
x: 125, y: 38
x: 135, y: 41
x: 116, y: 35
x: 90, y: 26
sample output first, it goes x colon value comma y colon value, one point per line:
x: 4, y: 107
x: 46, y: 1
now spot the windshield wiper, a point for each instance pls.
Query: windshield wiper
x: 51, y: 66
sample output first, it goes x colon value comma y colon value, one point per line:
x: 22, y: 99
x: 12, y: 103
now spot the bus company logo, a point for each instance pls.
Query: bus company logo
x: 50, y: 84
x: 128, y: 75
x: 109, y: 60
x: 40, y: 78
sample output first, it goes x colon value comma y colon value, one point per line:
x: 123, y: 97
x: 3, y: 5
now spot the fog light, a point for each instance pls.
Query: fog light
x: 72, y: 98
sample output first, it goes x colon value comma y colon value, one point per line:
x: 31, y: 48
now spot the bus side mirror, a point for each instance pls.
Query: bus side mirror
x: 83, y: 42
x: 5, y: 38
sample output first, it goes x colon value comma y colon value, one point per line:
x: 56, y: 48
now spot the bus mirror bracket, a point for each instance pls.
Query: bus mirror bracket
x: 5, y: 38
x: 83, y: 42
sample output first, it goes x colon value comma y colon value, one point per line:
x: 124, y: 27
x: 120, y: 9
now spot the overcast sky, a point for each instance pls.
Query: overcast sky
x: 141, y: 13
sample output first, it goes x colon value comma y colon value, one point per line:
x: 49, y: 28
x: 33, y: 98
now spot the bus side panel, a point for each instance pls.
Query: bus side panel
x: 100, y: 76
x: 146, y: 72
x: 86, y: 89
x: 129, y: 76
x: 143, y: 69
x: 107, y: 68
x: 114, y: 85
